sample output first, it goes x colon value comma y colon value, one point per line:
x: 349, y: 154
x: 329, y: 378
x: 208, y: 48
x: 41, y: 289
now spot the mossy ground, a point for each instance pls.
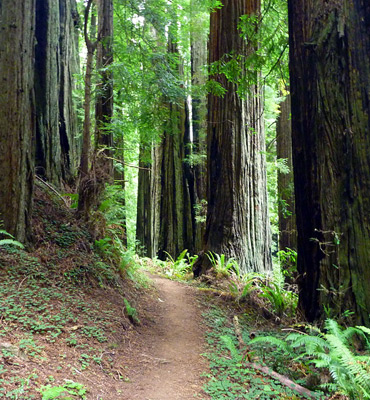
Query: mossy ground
x: 62, y: 312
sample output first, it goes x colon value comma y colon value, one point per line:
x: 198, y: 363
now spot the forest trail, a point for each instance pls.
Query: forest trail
x: 167, y: 361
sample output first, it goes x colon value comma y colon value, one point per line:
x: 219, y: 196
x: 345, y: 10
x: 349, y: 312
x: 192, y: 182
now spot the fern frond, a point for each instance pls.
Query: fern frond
x: 280, y: 344
x: 313, y: 344
x: 335, y: 329
x: 364, y: 329
x: 230, y: 345
x: 11, y: 242
x: 5, y: 233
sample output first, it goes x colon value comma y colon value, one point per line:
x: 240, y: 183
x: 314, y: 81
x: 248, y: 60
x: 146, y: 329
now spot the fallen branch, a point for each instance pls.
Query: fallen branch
x: 52, y: 189
x: 238, y: 332
x: 281, y: 378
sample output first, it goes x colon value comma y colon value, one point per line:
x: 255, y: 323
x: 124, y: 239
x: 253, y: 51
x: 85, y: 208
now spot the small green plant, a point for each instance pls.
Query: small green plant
x: 104, y: 246
x: 10, y: 241
x: 131, y: 312
x: 223, y: 266
x: 249, y: 283
x: 49, y: 392
x: 288, y: 262
x: 334, y: 351
x: 178, y: 267
x: 280, y: 299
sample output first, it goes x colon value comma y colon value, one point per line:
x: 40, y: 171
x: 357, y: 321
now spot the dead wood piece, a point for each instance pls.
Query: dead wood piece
x: 283, y: 380
x: 238, y: 332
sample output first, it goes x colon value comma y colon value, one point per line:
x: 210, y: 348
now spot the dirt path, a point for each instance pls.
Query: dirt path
x: 167, y: 358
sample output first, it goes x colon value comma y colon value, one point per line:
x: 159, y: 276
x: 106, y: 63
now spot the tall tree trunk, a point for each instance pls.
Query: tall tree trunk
x: 175, y: 218
x: 17, y: 27
x: 87, y: 185
x: 199, y: 58
x: 69, y: 65
x: 56, y: 60
x: 237, y: 218
x: 119, y: 179
x: 91, y: 45
x: 104, y: 97
x: 330, y: 82
x: 286, y: 205
x: 145, y: 211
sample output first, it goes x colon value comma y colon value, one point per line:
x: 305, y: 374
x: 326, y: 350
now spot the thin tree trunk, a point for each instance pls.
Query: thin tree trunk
x: 237, y: 219
x: 286, y: 204
x: 104, y: 97
x: 87, y: 182
x: 199, y: 58
x: 91, y: 48
x: 144, y: 218
x: 330, y: 85
x: 17, y: 127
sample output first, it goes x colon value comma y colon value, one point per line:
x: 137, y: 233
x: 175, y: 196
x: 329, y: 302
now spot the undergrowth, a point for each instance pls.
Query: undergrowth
x: 231, y: 377
x: 64, y: 308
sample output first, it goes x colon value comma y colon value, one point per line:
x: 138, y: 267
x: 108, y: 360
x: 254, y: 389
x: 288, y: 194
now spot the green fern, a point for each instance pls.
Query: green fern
x: 230, y: 345
x: 223, y: 266
x: 279, y: 343
x: 332, y: 350
x: 11, y: 241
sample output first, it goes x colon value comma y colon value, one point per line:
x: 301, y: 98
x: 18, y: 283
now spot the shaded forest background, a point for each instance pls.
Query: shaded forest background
x: 233, y: 127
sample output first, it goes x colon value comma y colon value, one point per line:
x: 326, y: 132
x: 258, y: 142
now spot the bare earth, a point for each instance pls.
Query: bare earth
x: 166, y: 363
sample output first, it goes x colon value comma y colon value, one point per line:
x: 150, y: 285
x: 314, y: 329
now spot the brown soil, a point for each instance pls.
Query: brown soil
x: 96, y: 345
x: 166, y: 363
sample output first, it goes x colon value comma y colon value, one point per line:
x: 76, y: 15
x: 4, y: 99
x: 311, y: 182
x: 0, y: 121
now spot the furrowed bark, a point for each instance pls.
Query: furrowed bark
x: 17, y: 125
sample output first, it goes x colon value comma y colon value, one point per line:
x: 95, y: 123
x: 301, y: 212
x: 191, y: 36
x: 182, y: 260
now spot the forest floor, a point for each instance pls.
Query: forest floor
x: 76, y: 325
x: 77, y: 343
x: 68, y: 325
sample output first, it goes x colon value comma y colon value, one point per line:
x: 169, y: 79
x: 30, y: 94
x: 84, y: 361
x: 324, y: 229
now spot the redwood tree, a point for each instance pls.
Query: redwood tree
x: 17, y: 27
x: 56, y: 60
x: 176, y: 224
x: 330, y: 86
x: 237, y: 219
x: 198, y: 43
x: 286, y: 204
x: 104, y: 100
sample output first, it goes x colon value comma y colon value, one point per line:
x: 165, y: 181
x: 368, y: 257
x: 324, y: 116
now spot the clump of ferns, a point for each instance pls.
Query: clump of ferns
x: 333, y: 350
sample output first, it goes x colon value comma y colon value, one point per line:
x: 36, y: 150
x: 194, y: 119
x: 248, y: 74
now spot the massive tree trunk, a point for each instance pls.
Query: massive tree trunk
x: 175, y: 218
x: 286, y: 204
x: 17, y: 27
x: 330, y: 82
x: 56, y: 60
x: 237, y: 219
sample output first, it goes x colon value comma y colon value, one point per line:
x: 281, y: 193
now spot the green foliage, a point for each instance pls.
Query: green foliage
x: 288, y: 261
x: 201, y: 211
x: 9, y: 242
x: 131, y: 312
x: 177, y: 269
x: 229, y: 377
x: 223, y: 266
x: 49, y: 392
x: 280, y: 299
x: 104, y: 247
x: 332, y: 350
